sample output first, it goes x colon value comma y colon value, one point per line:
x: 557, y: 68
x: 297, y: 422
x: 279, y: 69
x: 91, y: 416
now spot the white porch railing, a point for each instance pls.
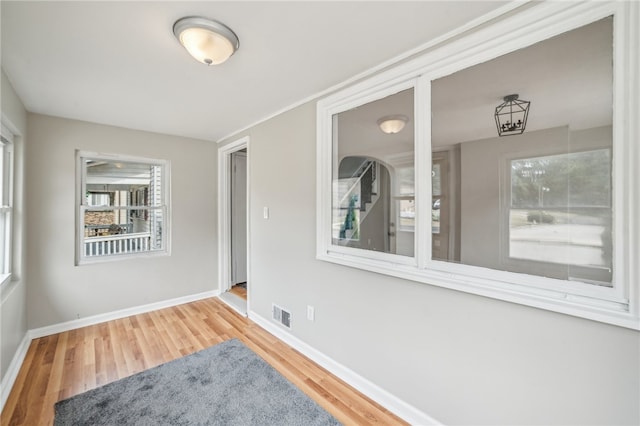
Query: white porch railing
x: 117, y: 244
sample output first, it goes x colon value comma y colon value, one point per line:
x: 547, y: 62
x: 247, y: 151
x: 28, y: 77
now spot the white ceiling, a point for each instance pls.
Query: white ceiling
x: 118, y: 63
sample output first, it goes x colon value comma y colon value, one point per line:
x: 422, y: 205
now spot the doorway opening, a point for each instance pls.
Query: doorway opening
x: 233, y: 224
x: 239, y: 223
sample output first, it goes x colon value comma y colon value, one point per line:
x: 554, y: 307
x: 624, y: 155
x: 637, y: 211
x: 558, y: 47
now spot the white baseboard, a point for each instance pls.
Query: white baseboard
x: 391, y: 402
x: 123, y: 313
x: 234, y: 302
x: 12, y: 372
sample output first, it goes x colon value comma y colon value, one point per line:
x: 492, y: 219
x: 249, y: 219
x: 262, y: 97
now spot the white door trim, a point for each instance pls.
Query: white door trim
x: 224, y: 213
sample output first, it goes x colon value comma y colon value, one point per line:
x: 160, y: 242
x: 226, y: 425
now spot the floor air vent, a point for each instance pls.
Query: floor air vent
x: 282, y: 316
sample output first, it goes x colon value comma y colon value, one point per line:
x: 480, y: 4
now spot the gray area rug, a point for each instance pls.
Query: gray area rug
x: 226, y: 384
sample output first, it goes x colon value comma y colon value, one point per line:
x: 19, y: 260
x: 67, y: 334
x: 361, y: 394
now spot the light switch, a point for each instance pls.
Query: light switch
x: 265, y: 212
x: 311, y: 313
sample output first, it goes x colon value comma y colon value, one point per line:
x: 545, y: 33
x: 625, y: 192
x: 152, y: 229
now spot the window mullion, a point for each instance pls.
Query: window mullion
x: 423, y: 171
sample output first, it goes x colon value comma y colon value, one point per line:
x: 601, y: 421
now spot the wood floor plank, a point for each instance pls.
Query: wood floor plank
x: 239, y: 291
x: 55, y: 379
x: 119, y: 360
x: 66, y: 364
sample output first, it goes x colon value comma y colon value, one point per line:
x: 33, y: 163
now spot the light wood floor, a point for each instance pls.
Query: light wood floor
x: 66, y: 364
x: 239, y: 291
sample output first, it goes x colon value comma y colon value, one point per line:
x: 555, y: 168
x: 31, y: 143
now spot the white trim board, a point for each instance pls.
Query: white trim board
x: 391, y: 402
x: 234, y: 302
x: 14, y: 368
x: 122, y: 313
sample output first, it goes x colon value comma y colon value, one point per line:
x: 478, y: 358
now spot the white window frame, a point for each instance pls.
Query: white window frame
x: 523, y: 27
x: 81, y: 203
x: 7, y: 143
x: 399, y: 162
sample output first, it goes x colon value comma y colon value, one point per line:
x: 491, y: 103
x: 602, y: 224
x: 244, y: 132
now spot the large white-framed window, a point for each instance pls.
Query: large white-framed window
x: 547, y: 218
x: 123, y: 207
x: 6, y: 203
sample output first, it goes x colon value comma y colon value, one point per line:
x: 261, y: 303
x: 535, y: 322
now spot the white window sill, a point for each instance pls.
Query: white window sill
x: 119, y: 257
x: 610, y: 312
x: 5, y: 279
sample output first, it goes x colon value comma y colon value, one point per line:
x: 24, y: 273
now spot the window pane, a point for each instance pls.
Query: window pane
x: 123, y: 207
x: 561, y: 210
x: 122, y: 231
x: 536, y: 201
x: 373, y: 176
x: 99, y: 199
x: 5, y: 174
x: 117, y: 183
x: 4, y: 241
x: 436, y: 194
x: 5, y: 204
x: 406, y: 206
x: 407, y: 214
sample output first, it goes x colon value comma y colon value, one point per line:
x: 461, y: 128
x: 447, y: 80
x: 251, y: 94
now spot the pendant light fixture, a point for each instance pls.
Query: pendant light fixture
x: 209, y: 42
x: 511, y: 115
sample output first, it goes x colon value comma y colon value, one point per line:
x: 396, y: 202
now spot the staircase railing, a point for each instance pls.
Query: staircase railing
x: 354, y: 200
x: 357, y: 182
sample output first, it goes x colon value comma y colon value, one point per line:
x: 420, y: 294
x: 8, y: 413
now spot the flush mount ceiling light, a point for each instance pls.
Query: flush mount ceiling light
x: 208, y: 41
x: 511, y: 116
x: 392, y: 123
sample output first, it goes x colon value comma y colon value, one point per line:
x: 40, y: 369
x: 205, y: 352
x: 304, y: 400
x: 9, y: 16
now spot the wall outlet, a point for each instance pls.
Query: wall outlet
x: 311, y: 313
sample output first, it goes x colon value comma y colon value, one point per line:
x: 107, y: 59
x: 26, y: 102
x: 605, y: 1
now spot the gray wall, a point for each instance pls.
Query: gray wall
x: 13, y: 310
x: 60, y: 291
x: 461, y: 358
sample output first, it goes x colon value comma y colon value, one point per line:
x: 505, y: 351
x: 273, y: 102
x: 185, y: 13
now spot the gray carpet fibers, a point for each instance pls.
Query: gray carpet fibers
x: 226, y: 384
